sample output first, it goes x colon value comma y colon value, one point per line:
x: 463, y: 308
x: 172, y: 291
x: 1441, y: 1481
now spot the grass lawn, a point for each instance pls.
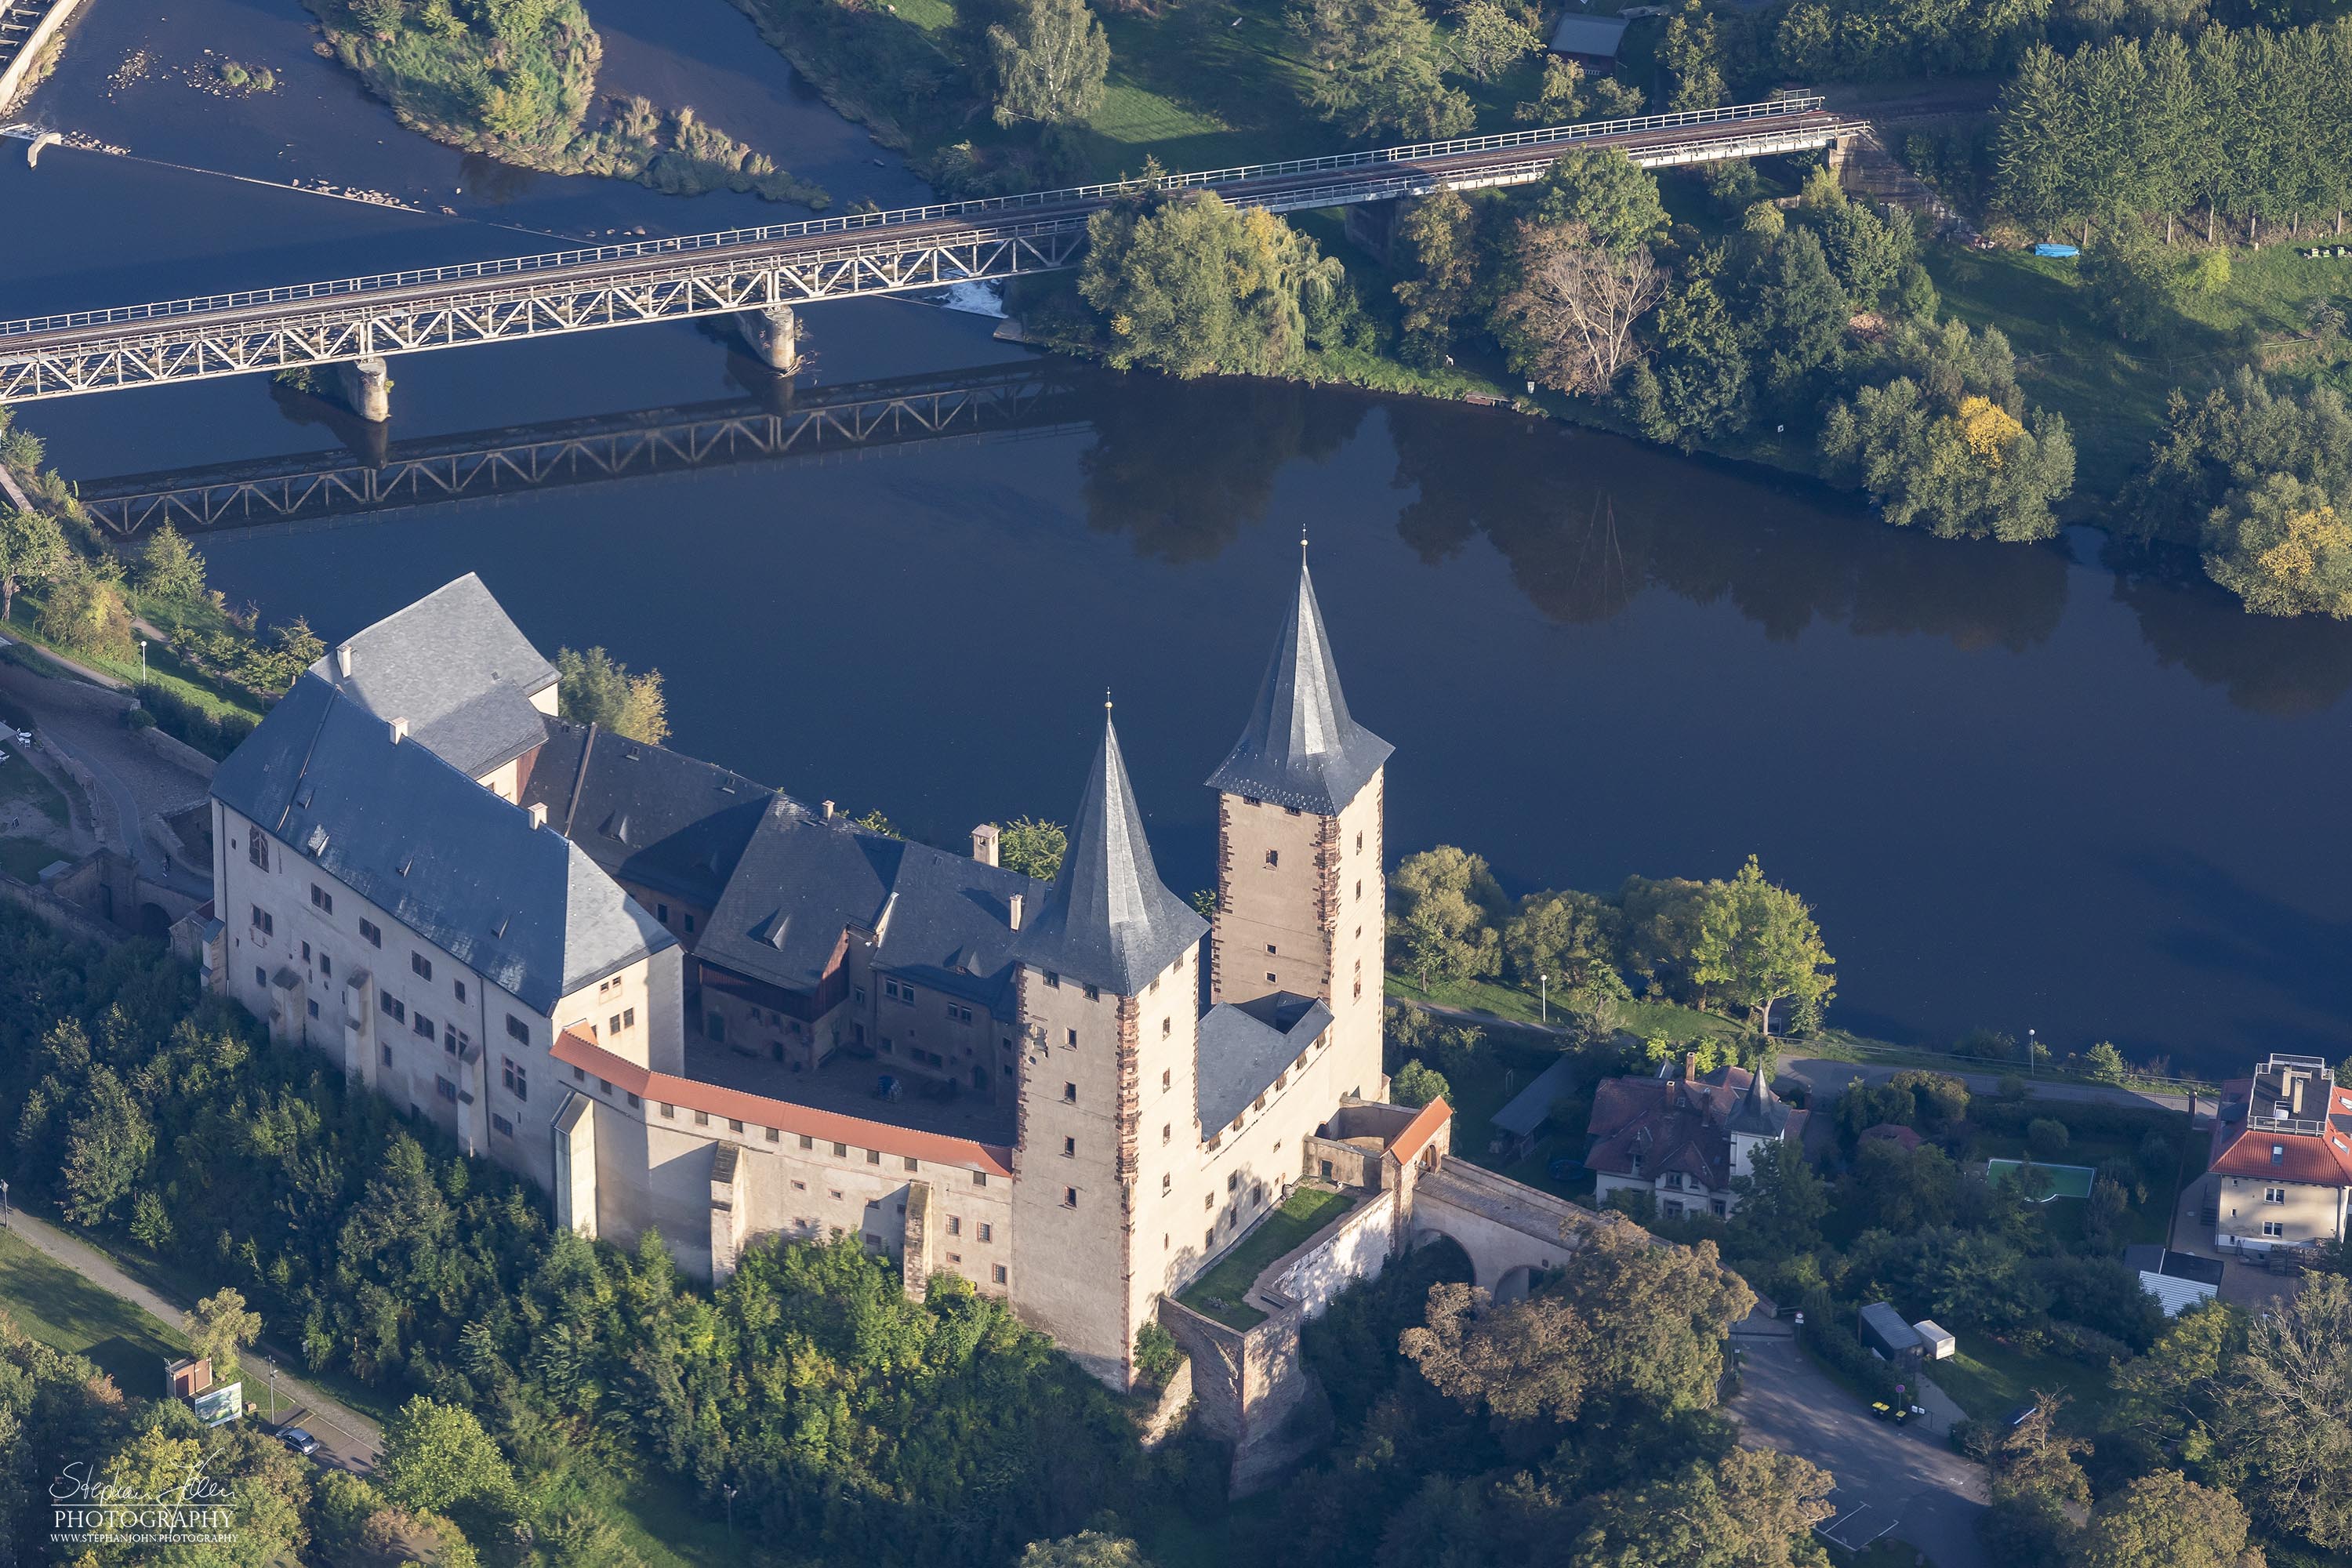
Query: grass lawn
x: 1218, y: 1294
x: 1989, y: 1380
x: 60, y: 1308
x: 2112, y: 394
x: 164, y: 667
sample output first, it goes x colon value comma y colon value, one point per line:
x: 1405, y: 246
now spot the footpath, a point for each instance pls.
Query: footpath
x: 346, y: 1437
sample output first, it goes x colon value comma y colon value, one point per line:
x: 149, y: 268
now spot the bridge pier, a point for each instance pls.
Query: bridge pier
x: 366, y: 385
x: 774, y: 336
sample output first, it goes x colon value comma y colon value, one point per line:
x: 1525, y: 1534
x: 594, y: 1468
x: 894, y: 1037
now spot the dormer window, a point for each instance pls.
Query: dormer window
x: 2278, y: 1153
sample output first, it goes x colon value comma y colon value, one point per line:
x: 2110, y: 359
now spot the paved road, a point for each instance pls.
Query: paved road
x: 345, y: 1438
x: 133, y: 784
x: 1897, y: 1481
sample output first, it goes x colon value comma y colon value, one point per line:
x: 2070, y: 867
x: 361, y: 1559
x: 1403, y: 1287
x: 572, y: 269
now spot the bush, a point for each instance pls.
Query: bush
x: 2045, y: 1139
x: 184, y: 721
x: 1157, y: 1356
x: 1845, y: 1354
x: 1418, y: 1083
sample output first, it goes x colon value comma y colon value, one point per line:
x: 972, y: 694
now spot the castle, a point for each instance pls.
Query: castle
x: 678, y: 1000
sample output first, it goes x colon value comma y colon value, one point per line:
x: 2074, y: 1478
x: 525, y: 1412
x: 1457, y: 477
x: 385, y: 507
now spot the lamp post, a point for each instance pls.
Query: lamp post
x: 3, y: 1205
x: 731, y: 1511
x: 1543, y: 996
x: 142, y: 662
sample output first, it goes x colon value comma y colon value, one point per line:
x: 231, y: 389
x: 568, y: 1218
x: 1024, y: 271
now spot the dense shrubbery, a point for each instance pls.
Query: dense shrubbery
x: 940, y: 1432
x: 216, y: 735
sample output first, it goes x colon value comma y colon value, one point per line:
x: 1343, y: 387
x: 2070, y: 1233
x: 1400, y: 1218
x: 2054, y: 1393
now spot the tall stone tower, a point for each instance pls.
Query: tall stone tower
x: 1109, y: 1145
x: 1301, y: 901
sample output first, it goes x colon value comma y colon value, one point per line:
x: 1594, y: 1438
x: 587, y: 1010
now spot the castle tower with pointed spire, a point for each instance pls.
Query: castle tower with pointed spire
x: 1109, y: 1139
x: 1301, y: 899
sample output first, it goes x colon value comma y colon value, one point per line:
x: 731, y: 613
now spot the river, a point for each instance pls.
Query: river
x: 2024, y: 786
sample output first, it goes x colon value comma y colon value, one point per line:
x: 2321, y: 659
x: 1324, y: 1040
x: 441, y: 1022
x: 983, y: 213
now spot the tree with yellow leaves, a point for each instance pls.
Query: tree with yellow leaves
x: 2282, y: 548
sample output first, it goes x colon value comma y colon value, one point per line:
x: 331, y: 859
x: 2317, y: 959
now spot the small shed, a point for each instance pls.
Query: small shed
x: 1883, y: 1330
x: 1935, y: 1341
x: 2179, y: 1280
x: 1594, y: 39
x: 1516, y: 1123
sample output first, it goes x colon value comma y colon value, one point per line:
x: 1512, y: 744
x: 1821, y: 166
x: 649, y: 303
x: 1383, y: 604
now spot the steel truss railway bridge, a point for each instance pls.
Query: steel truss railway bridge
x: 315, y: 490
x: 762, y: 275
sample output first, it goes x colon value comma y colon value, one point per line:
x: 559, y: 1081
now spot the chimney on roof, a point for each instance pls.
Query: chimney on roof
x: 983, y: 844
x: 825, y: 806
x: 1012, y: 907
x: 539, y: 813
x: 2295, y: 1092
x: 343, y: 661
x: 400, y: 730
x: 1690, y: 1066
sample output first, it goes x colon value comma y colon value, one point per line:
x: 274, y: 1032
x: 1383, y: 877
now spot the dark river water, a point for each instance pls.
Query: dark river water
x: 2024, y: 786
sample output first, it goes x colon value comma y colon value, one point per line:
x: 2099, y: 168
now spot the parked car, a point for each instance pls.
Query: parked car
x: 24, y: 737
x: 301, y: 1441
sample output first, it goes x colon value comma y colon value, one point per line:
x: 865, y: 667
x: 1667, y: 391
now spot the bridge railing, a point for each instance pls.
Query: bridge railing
x: 1068, y: 195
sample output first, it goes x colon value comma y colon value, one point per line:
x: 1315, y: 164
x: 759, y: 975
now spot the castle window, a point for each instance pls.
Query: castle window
x: 1252, y: 800
x: 421, y: 965
x: 500, y: 1124
x: 1233, y: 1182
x: 1273, y: 858
x: 702, y: 1119
x: 1290, y: 811
x: 256, y: 850
x: 1167, y: 1132
x: 1072, y: 1038
x: 1359, y: 843
x: 733, y: 1125
x: 424, y: 1026
x: 841, y: 1151
x: 1359, y: 890
x: 1069, y: 1197
x: 912, y: 1163
x: 372, y: 933
x: 1166, y: 1184
x: 518, y: 1030
x: 1210, y: 1240
x: 1269, y: 975
x: 387, y: 1056
x: 1094, y: 993
x: 1167, y: 1076
x: 1166, y: 1027
x: 1269, y: 947
x: 807, y: 1142
x: 322, y: 899
x: 636, y: 1104
x: 874, y: 1156
x: 461, y: 989
x: 1069, y: 1148
x: 1000, y: 1274
x: 1208, y: 1200
x: 1053, y: 980
x: 955, y: 1257
x: 980, y: 1178
x: 988, y: 1233
x: 1070, y: 1093
x: 517, y: 1078
x: 264, y: 923
x: 670, y: 1111
x: 2278, y: 1153
x: 955, y: 1224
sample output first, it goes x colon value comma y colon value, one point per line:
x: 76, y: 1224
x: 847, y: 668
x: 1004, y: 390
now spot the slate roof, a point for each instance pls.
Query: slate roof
x: 1109, y: 922
x: 800, y: 882
x: 457, y: 668
x: 1676, y: 1125
x: 419, y: 838
x: 1759, y: 1112
x: 1301, y: 747
x: 651, y: 816
x: 1596, y: 37
x: 1244, y: 1046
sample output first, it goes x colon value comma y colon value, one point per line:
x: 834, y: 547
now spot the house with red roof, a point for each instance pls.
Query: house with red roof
x: 1684, y: 1139
x: 2281, y: 1171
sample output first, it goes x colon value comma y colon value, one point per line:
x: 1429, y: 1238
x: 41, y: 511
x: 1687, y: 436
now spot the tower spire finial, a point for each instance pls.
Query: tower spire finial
x: 1105, y: 699
x: 1302, y: 541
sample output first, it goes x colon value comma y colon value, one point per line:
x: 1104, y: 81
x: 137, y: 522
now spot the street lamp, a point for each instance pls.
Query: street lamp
x: 3, y: 1205
x: 143, y: 660
x: 730, y: 1511
x: 1543, y: 996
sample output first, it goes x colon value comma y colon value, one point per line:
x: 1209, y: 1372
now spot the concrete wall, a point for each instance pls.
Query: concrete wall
x: 1356, y: 1248
x: 26, y: 60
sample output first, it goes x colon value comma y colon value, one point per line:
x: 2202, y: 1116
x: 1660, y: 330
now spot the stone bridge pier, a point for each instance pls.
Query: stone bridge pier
x: 366, y: 385
x: 773, y: 336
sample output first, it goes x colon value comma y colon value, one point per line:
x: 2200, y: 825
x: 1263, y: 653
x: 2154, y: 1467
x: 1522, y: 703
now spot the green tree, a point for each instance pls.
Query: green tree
x: 1558, y: 98
x: 1565, y: 935
x: 1692, y: 59
x: 1439, y: 252
x: 1966, y: 466
x: 2167, y: 1521
x: 1569, y: 324
x: 1193, y: 287
x: 1049, y: 60
x: 1753, y: 1508
x: 1442, y: 904
x: 1417, y: 1083
x: 1801, y: 313
x: 32, y: 550
x: 1489, y: 40
x: 1087, y: 1549
x: 84, y: 612
x: 2047, y: 1138
x: 1761, y: 946
x: 1032, y: 847
x: 1157, y: 1356
x: 1697, y: 386
x: 108, y: 1145
x: 437, y: 1457
x: 2283, y: 547
x: 169, y: 568
x: 2286, y: 1413
x: 1781, y: 1200
x: 1613, y: 197
x: 594, y: 687
x: 2107, y: 1063
x: 219, y: 1328
x: 1375, y: 66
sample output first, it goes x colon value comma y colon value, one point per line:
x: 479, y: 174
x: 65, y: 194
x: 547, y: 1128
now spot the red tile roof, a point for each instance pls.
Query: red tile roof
x: 2243, y: 1149
x: 1420, y: 1130
x: 753, y: 1110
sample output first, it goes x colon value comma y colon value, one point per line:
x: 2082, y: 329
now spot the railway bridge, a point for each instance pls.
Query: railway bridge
x: 763, y: 275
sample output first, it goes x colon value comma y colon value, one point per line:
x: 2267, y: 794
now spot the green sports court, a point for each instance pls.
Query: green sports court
x: 2065, y: 1181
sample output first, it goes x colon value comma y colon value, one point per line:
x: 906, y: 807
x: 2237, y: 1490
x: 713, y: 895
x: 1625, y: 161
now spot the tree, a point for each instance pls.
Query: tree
x: 1613, y: 197
x: 1442, y: 906
x: 219, y: 1328
x: 1692, y: 58
x: 1802, y: 312
x: 1440, y: 251
x: 1374, y: 65
x: 85, y: 612
x: 1049, y: 63
x: 108, y: 1145
x: 169, y: 568
x: 1754, y: 1509
x: 2167, y: 1521
x: 1699, y: 385
x: 1157, y: 1356
x: 2047, y: 1138
x: 1565, y: 935
x: 1966, y: 466
x: 2106, y: 1064
x: 1557, y: 99
x: 1780, y: 1200
x: 1569, y: 322
x: 1032, y: 847
x: 1417, y: 1083
x: 2286, y: 1413
x: 1761, y: 945
x: 1193, y: 287
x: 2284, y: 549
x: 437, y: 1457
x: 1489, y: 40
x: 1087, y: 1549
x: 32, y: 550
x: 594, y: 687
